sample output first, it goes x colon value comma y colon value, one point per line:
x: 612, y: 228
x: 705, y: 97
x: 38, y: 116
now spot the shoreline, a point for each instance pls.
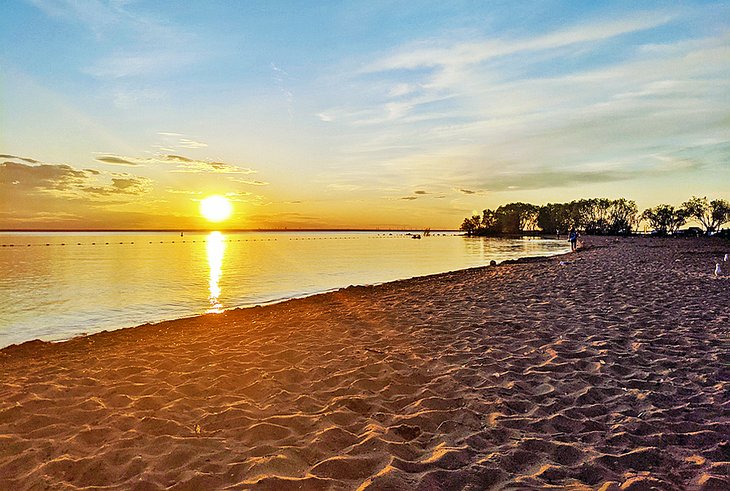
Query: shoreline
x: 264, y: 303
x: 282, y: 300
x: 605, y: 369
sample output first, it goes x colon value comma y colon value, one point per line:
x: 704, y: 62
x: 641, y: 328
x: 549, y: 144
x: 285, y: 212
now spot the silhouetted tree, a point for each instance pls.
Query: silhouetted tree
x: 490, y: 222
x: 720, y: 210
x: 622, y: 216
x: 471, y: 225
x: 592, y: 215
x: 555, y: 217
x: 712, y: 215
x: 514, y: 218
x: 665, y: 219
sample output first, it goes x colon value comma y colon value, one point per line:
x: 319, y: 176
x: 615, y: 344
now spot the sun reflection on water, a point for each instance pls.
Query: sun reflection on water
x: 215, y: 247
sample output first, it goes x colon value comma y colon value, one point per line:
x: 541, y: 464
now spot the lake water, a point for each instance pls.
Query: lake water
x: 55, y: 286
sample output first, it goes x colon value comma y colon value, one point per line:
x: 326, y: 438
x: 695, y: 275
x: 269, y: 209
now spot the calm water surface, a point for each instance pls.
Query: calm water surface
x: 57, y: 285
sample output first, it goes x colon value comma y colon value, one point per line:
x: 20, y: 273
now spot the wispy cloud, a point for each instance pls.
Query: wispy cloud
x: 24, y: 159
x: 183, y: 191
x: 199, y: 166
x: 180, y: 164
x: 452, y: 78
x: 238, y: 194
x: 129, y: 65
x: 400, y: 90
x: 171, y: 140
x: 95, y: 15
x: 115, y: 160
x: 187, y: 143
x: 250, y: 182
x: 443, y: 54
x: 280, y: 80
x: 538, y: 112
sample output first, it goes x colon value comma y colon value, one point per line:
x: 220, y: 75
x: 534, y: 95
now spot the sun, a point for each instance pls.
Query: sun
x: 216, y: 208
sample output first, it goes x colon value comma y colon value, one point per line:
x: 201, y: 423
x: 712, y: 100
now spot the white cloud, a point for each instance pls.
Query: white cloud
x: 400, y: 90
x: 171, y: 140
x: 186, y: 143
x: 183, y: 191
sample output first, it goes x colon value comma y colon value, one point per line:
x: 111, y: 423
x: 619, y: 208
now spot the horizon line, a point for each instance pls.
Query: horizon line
x: 285, y: 229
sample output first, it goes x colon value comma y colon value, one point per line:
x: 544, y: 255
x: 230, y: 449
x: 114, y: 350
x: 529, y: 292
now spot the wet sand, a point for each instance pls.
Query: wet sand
x: 609, y: 371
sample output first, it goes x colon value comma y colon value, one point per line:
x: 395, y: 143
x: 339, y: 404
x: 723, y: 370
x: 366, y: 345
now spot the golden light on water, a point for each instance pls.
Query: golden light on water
x: 216, y: 208
x: 215, y: 247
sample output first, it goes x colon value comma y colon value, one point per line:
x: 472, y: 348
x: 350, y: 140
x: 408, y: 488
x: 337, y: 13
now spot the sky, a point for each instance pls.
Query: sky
x: 371, y: 114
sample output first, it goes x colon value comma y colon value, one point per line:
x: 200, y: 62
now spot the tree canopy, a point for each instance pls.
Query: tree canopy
x: 711, y: 214
x: 665, y: 219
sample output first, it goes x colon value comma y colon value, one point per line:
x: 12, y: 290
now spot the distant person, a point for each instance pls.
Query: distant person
x: 573, y: 238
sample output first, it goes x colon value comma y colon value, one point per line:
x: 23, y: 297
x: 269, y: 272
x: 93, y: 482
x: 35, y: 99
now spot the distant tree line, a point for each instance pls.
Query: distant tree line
x: 596, y: 216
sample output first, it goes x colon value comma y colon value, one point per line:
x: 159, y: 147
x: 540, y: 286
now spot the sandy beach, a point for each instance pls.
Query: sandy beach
x: 603, y: 369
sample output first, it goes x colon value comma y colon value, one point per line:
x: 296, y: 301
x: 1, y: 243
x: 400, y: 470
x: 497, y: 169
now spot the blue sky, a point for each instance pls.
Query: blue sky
x: 367, y: 114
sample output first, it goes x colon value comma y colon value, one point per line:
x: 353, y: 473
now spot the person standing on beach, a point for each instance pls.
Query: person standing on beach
x: 573, y: 238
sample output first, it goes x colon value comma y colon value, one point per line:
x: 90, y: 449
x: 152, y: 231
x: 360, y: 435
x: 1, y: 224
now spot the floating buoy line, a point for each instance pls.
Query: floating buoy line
x: 62, y: 244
